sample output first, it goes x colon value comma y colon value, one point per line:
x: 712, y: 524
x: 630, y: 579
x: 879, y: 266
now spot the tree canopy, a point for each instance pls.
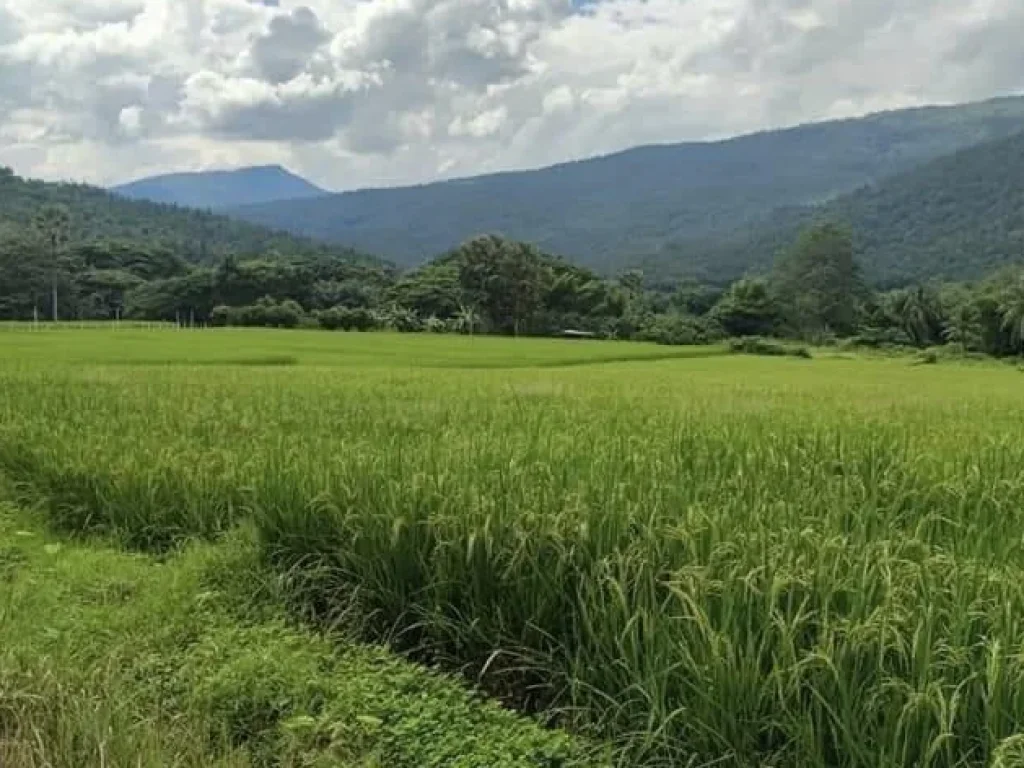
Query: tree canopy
x: 817, y: 282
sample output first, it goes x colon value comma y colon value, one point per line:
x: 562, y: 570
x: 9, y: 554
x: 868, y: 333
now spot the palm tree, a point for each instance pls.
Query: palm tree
x: 913, y: 311
x: 434, y: 324
x: 1011, y: 309
x: 53, y: 223
x: 963, y: 328
x: 467, y: 320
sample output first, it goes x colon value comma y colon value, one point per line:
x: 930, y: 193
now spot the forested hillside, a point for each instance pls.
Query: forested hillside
x: 74, y: 251
x: 221, y: 189
x: 957, y: 217
x: 613, y: 211
x: 195, y: 236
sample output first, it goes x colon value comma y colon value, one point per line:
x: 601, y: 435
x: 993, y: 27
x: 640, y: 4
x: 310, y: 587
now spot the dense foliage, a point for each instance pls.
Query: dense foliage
x: 50, y: 270
x: 607, y: 213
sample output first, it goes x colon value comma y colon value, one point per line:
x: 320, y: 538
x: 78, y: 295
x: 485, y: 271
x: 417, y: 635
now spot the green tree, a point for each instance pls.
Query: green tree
x: 102, y: 292
x: 638, y: 310
x: 505, y: 279
x: 693, y: 298
x: 1011, y: 310
x: 467, y: 320
x: 188, y: 296
x: 963, y: 327
x: 917, y: 312
x: 24, y: 281
x: 747, y: 309
x: 53, y: 225
x: 817, y: 283
x: 434, y: 289
x: 143, y: 260
x: 632, y: 282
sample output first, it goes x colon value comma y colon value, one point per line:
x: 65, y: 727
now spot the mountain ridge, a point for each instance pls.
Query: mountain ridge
x: 609, y: 211
x: 959, y: 216
x: 221, y: 188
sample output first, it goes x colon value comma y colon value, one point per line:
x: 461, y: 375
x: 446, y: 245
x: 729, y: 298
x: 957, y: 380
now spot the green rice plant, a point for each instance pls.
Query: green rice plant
x: 727, y: 560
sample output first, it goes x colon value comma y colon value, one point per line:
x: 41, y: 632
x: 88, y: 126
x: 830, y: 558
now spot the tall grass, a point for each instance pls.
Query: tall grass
x: 727, y: 561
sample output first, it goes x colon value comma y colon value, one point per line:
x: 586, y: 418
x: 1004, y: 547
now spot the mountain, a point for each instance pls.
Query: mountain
x: 194, y: 235
x: 609, y: 212
x: 221, y: 189
x: 957, y: 217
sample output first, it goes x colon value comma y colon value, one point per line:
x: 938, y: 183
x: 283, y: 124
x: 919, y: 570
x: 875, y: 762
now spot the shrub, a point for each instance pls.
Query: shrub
x: 265, y: 313
x: 755, y: 345
x: 220, y: 316
x: 404, y: 321
x: 335, y: 319
x: 285, y: 314
x: 362, y: 319
x: 679, y: 330
x: 434, y: 324
x: 878, y: 338
x: 345, y: 319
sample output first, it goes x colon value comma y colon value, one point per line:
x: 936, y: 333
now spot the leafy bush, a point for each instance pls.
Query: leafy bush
x: 754, y: 345
x: 345, y: 319
x: 221, y: 316
x: 362, y: 319
x: 402, y: 320
x: 265, y: 313
x: 878, y: 338
x: 268, y: 313
x: 334, y: 319
x: 434, y: 324
x: 678, y: 329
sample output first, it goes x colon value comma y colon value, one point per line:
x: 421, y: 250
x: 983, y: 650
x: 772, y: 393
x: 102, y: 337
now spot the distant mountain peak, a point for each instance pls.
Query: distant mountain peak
x: 222, y: 188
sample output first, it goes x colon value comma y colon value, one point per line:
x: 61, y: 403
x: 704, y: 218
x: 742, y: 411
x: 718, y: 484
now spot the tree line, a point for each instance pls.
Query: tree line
x: 814, y: 292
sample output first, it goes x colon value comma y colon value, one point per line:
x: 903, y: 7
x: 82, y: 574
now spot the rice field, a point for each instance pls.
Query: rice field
x: 700, y: 559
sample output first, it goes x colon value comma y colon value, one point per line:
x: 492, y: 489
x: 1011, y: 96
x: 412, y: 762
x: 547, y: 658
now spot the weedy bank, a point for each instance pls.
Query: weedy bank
x: 707, y: 560
x: 115, y: 659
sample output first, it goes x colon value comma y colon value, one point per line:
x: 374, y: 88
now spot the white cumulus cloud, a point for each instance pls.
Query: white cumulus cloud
x: 364, y: 92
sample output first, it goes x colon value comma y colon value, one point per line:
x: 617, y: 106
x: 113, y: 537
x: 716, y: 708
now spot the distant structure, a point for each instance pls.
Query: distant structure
x: 570, y: 334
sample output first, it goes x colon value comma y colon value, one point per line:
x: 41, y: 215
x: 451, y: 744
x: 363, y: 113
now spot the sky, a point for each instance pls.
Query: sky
x: 356, y: 93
